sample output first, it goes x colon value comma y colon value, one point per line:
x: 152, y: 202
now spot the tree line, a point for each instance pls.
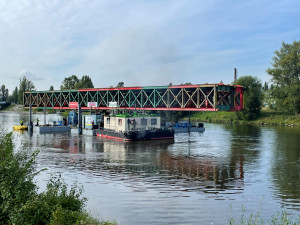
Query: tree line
x: 17, y: 94
x: 71, y: 82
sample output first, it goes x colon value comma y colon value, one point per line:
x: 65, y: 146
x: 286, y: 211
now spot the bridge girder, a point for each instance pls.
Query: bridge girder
x: 208, y: 97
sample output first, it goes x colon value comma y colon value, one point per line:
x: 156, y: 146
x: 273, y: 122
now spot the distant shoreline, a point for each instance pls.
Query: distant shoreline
x: 266, y: 118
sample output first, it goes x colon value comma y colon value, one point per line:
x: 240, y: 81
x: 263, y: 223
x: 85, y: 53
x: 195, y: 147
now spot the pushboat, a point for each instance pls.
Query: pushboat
x: 134, y: 127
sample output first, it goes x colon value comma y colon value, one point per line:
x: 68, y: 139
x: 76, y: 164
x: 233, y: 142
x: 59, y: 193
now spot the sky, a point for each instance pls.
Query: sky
x: 142, y: 42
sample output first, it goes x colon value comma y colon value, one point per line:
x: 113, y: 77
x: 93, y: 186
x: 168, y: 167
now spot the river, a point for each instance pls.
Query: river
x: 204, y: 178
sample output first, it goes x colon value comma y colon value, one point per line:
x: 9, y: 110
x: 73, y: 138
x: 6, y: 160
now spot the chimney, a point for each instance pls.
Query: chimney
x: 235, y: 74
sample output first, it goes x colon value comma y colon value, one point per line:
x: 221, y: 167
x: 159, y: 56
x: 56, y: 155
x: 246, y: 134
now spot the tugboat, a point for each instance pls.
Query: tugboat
x: 134, y: 127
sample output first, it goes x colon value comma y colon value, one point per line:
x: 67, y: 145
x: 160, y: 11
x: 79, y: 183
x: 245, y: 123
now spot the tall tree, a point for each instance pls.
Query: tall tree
x: 69, y: 82
x: 85, y: 82
x: 4, y: 93
x: 266, y: 86
x: 253, y: 96
x: 285, y: 73
x: 120, y: 84
x: 51, y: 88
x: 25, y: 85
x: 14, y: 96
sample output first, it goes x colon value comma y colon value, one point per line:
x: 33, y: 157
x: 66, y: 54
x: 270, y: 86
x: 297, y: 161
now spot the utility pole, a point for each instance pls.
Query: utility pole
x: 79, y: 119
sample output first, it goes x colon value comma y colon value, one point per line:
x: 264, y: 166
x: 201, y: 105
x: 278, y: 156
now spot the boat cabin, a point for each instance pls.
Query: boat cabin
x: 122, y: 123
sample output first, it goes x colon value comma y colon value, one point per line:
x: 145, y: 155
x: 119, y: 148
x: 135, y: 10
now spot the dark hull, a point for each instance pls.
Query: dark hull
x: 137, y: 135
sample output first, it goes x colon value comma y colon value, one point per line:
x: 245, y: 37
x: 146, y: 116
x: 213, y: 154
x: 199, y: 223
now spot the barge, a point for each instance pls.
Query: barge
x: 136, y: 127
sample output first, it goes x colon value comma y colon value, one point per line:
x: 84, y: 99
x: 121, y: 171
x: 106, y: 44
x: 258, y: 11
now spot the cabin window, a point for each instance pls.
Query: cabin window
x: 153, y: 121
x: 144, y: 122
x: 120, y: 122
x: 108, y: 120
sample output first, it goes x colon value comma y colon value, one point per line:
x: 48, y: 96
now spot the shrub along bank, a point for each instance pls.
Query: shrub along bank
x: 266, y: 117
x: 20, y: 203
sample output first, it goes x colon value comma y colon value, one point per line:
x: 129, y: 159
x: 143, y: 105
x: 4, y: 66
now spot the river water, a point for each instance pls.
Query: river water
x: 204, y: 178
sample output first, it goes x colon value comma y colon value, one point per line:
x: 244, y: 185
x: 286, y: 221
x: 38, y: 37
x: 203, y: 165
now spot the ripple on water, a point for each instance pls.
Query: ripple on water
x: 192, y: 180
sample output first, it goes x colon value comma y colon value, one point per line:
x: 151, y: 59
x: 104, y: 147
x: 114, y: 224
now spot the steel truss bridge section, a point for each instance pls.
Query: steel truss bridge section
x: 206, y: 97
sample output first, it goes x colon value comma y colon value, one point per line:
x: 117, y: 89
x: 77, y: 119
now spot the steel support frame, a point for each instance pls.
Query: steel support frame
x: 180, y: 98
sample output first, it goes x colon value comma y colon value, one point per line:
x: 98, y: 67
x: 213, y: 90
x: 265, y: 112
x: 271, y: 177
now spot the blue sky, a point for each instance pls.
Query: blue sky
x: 140, y: 42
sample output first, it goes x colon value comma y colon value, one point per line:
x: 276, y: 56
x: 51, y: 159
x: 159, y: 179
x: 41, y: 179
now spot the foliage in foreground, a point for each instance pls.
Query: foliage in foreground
x: 281, y: 218
x: 21, y: 204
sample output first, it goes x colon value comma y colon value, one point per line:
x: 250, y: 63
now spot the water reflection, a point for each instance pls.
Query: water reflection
x: 286, y: 165
x: 245, y: 146
x: 150, y: 162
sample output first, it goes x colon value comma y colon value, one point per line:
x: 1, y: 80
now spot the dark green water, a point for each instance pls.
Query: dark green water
x: 200, y: 179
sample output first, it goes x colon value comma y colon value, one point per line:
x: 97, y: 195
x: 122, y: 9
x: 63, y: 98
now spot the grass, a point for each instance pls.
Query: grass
x: 9, y: 107
x: 280, y: 218
x: 267, y: 117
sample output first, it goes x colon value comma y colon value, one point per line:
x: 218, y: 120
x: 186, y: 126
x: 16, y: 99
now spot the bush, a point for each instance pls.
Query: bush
x: 21, y: 204
x: 55, y: 204
x: 16, y: 175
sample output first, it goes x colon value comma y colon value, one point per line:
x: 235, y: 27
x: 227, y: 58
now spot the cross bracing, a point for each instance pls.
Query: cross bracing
x: 207, y: 97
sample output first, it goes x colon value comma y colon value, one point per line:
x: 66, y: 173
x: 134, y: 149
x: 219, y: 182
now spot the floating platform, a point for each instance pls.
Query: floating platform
x: 186, y: 130
x: 52, y: 129
x: 184, y: 126
x: 23, y: 127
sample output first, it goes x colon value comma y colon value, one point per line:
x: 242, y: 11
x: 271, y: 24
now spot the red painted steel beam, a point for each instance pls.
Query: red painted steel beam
x: 133, y: 108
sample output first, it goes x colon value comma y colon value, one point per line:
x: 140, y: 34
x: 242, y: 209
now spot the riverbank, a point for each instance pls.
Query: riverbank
x: 20, y: 108
x: 266, y: 118
x: 14, y: 108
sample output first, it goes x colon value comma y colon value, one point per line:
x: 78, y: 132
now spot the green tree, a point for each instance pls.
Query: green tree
x: 285, y: 73
x: 120, y: 84
x: 69, y: 83
x: 14, y: 96
x: 4, y: 93
x: 252, y: 96
x: 266, y: 86
x: 25, y: 85
x: 187, y: 83
x: 51, y: 88
x: 85, y: 82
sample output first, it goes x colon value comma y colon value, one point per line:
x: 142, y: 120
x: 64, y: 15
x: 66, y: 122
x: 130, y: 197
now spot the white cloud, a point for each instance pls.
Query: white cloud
x: 29, y: 75
x: 141, y: 42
